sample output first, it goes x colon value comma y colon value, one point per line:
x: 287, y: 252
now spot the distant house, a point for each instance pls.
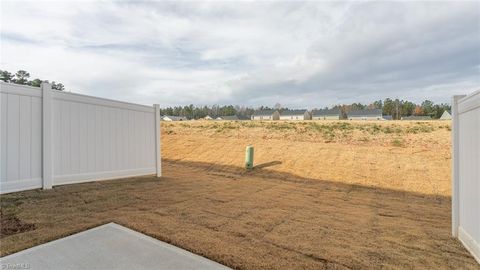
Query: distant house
x: 416, y: 117
x: 266, y: 115
x: 331, y: 114
x: 228, y: 118
x: 244, y: 117
x: 295, y: 115
x: 446, y: 116
x: 368, y: 114
x: 208, y: 117
x: 170, y: 118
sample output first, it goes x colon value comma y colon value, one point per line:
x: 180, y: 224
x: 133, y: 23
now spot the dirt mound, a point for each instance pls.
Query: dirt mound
x: 10, y: 224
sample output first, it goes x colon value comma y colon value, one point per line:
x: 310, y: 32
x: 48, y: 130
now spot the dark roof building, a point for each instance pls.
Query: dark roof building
x: 326, y: 112
x: 266, y: 115
x: 367, y: 114
x: 293, y: 112
x: 301, y: 114
x: 263, y: 112
x: 244, y: 117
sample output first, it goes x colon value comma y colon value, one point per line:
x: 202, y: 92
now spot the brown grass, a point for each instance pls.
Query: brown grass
x: 256, y: 220
x: 401, y: 155
x: 308, y: 204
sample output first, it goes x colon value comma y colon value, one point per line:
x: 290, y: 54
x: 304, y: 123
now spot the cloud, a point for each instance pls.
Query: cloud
x: 301, y: 54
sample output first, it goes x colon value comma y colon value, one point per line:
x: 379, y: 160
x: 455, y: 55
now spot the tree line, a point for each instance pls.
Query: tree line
x: 197, y: 112
x: 396, y: 108
x: 23, y: 77
x: 400, y: 108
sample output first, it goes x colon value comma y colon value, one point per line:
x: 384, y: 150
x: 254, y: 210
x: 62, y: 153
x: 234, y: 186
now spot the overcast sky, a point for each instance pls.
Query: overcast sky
x: 302, y: 55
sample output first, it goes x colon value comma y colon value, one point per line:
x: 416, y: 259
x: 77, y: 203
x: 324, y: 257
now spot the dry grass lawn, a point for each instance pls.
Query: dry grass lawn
x: 401, y: 155
x: 314, y: 201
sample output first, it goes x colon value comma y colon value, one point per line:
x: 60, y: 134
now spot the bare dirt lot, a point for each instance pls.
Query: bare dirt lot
x: 274, y: 217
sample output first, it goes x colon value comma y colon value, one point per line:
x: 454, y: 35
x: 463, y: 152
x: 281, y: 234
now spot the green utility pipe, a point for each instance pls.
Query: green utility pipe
x: 249, y: 157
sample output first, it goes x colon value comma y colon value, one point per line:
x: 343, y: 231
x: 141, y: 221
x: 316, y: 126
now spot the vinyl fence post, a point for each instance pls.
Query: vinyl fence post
x: 47, y: 165
x: 455, y: 164
x: 157, y: 140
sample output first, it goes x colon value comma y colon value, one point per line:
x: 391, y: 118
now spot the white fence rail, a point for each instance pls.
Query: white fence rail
x: 51, y: 138
x: 466, y: 171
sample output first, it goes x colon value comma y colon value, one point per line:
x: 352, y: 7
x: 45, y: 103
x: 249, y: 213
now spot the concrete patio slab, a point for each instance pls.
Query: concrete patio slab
x: 109, y: 246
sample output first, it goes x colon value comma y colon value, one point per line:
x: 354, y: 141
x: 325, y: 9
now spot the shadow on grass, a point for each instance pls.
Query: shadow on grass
x: 264, y: 219
x: 267, y: 164
x: 274, y: 175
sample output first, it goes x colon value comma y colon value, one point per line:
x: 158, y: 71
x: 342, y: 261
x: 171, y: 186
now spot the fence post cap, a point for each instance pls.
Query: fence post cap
x: 45, y: 84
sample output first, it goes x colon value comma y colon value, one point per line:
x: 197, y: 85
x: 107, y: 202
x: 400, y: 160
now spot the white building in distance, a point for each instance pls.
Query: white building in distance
x: 326, y: 114
x: 367, y: 114
x: 265, y: 115
x: 295, y: 115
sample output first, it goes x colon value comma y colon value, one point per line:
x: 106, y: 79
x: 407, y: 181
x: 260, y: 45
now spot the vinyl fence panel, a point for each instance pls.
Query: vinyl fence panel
x: 52, y: 137
x: 21, y: 134
x: 466, y: 171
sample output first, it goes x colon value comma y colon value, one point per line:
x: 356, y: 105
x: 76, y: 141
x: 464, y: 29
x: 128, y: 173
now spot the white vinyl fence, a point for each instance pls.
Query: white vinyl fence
x: 51, y: 137
x: 466, y: 171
